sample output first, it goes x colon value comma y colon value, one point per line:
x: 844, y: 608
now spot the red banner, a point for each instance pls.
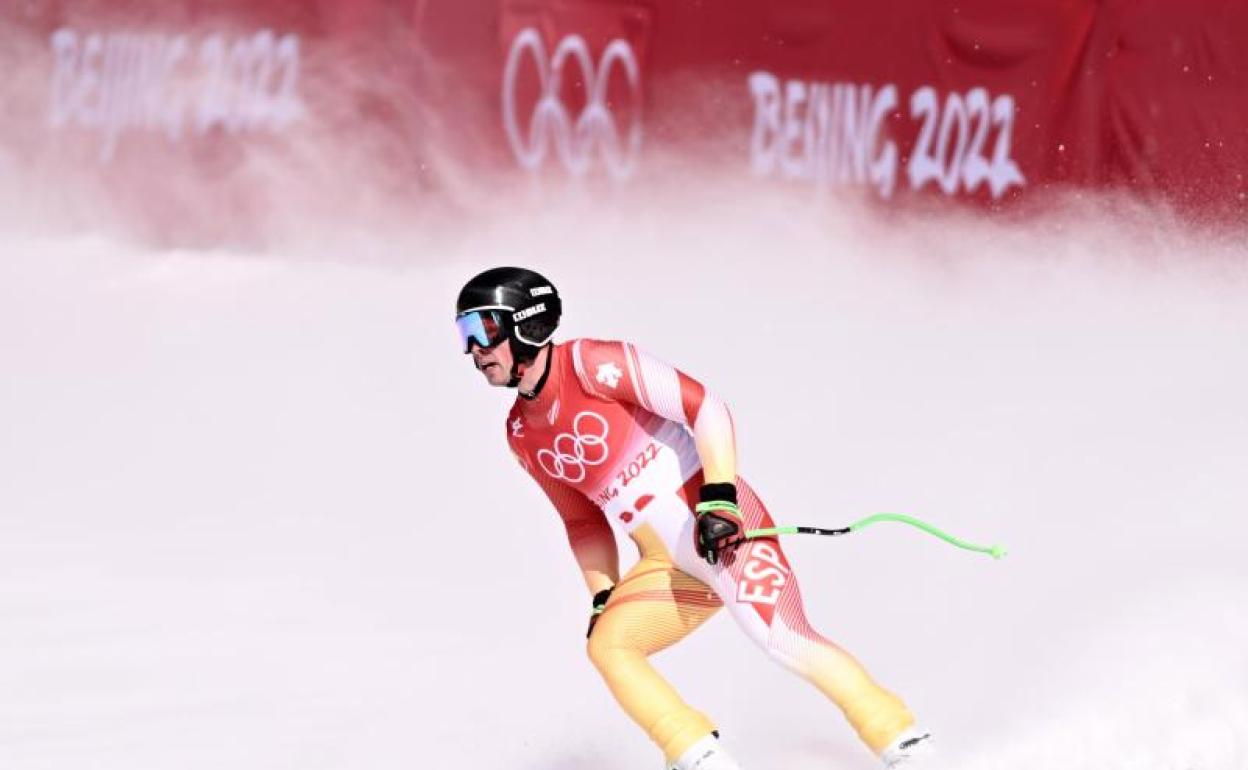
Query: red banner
x: 193, y: 114
x: 982, y: 99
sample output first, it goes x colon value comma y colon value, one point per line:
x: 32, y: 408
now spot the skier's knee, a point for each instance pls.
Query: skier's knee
x: 601, y: 649
x: 785, y: 647
x: 781, y: 656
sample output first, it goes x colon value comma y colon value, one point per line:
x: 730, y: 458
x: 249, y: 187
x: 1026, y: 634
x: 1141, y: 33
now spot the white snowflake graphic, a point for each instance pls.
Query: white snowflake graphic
x: 609, y: 374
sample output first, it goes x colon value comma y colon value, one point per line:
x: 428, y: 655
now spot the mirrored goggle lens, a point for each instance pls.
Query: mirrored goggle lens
x: 484, y: 327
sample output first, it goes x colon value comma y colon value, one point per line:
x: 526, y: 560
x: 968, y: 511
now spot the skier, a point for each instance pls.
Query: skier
x: 613, y: 435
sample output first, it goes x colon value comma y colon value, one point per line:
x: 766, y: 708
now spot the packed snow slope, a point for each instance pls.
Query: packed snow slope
x: 257, y: 512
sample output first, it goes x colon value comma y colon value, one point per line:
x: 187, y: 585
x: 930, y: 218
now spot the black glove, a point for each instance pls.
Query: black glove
x: 600, y: 604
x: 720, y: 527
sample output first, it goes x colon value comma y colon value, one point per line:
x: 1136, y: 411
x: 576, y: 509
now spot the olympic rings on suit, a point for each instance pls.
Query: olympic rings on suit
x: 572, y: 453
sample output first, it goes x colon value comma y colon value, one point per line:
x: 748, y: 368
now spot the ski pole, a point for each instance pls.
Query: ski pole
x: 995, y: 551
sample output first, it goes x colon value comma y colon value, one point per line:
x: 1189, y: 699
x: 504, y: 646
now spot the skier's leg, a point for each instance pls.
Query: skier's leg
x: 761, y: 593
x: 652, y: 607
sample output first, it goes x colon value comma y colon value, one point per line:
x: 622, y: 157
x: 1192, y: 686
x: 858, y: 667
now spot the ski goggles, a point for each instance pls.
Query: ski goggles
x: 487, y: 328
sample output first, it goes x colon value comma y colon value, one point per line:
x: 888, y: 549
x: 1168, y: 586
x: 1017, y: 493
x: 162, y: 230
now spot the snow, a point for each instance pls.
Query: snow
x: 257, y: 513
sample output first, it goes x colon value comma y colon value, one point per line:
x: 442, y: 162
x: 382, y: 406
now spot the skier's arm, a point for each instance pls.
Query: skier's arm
x: 715, y: 438
x: 666, y: 391
x: 589, y: 534
x: 620, y: 372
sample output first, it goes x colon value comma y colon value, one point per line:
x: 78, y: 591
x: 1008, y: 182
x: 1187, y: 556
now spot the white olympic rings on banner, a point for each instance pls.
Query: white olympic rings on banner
x: 572, y: 452
x: 595, y: 128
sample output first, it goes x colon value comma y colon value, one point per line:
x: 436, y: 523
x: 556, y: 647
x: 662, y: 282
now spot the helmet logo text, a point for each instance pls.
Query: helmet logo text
x: 529, y: 312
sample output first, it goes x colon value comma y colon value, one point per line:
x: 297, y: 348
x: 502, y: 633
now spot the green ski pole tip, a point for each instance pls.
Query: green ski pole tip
x: 997, y: 551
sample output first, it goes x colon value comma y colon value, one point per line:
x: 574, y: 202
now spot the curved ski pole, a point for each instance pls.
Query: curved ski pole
x: 995, y: 551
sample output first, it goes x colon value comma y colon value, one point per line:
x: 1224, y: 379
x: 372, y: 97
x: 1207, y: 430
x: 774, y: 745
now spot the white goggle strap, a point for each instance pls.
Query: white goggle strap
x: 527, y: 341
x: 515, y: 326
x: 485, y: 307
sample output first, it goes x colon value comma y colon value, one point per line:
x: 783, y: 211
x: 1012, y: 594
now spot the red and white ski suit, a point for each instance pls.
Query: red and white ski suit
x: 616, y: 437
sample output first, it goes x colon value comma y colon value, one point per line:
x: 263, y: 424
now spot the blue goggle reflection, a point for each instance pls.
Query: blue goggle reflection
x: 487, y: 328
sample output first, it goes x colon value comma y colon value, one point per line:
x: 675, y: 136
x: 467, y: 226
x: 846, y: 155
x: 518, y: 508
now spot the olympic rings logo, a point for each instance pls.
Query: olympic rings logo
x: 594, y: 129
x: 571, y: 453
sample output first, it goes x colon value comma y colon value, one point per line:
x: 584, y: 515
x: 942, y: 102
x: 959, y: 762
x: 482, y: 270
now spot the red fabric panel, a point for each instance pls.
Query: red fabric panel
x: 980, y: 100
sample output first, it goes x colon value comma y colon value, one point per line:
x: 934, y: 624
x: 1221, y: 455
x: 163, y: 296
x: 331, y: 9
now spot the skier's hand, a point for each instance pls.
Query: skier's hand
x: 720, y: 528
x: 600, y: 604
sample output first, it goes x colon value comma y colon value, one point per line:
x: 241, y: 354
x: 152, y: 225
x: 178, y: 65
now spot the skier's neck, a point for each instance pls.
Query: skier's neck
x: 534, y: 379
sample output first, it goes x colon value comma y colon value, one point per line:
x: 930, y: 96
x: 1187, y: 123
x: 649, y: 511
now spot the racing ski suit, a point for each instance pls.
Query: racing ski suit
x: 618, y: 438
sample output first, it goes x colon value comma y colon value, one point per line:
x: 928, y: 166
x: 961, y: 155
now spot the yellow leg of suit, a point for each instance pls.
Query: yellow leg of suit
x: 654, y: 606
x: 657, y: 604
x: 877, y: 715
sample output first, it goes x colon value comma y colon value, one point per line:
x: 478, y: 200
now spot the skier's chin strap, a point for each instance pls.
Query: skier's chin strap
x: 530, y: 395
x: 519, y: 364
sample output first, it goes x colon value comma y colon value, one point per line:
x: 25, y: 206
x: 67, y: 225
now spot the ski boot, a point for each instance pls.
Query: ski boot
x: 911, y: 746
x: 706, y: 754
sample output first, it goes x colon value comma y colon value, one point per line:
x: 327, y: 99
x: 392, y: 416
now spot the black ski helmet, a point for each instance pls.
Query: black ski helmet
x: 529, y: 304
